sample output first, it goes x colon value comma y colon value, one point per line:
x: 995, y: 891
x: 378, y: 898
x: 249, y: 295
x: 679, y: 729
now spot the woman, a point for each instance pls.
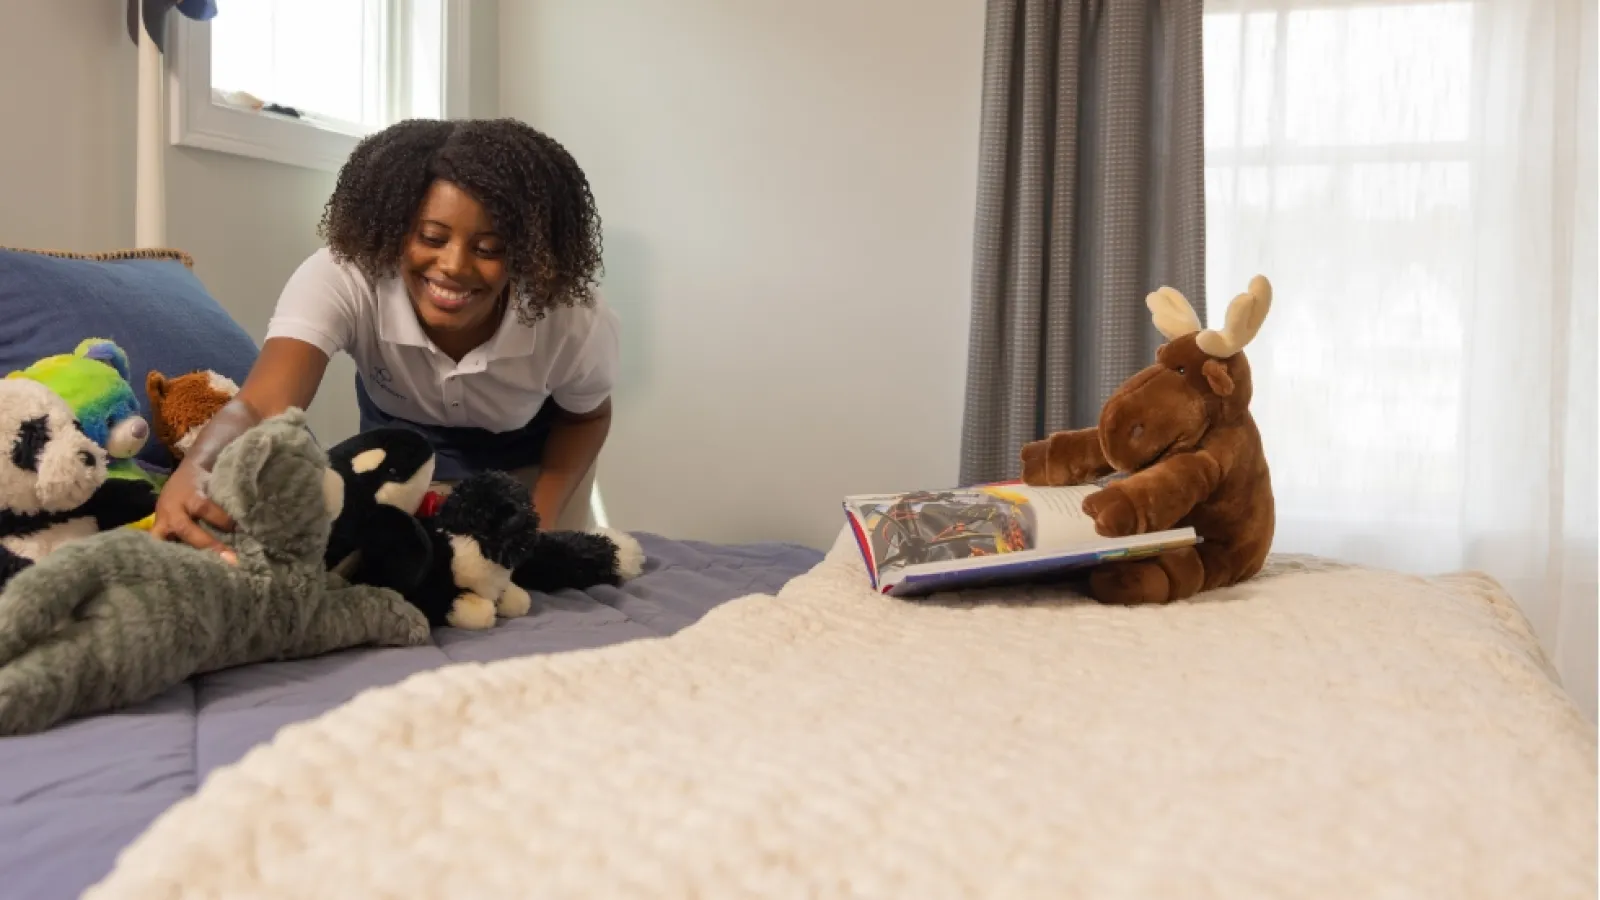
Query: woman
x: 459, y: 275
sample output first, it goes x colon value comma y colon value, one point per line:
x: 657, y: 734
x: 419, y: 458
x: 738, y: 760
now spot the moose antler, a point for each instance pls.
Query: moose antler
x: 1174, y: 318
x: 1245, y: 315
x: 1173, y: 315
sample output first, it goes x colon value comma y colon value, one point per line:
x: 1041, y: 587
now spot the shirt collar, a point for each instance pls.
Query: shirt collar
x: 397, y: 321
x: 512, y: 339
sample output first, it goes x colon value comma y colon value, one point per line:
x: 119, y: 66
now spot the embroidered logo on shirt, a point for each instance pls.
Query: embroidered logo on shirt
x: 382, y: 377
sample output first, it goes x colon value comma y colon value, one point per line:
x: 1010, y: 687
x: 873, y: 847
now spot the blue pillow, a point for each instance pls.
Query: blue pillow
x: 148, y: 301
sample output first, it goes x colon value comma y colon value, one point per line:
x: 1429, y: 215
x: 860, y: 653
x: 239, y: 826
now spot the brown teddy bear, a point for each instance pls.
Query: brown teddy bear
x: 180, y: 406
x: 1182, y: 434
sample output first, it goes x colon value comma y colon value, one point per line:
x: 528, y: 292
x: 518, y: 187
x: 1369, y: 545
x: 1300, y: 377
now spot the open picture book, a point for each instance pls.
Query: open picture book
x: 929, y: 541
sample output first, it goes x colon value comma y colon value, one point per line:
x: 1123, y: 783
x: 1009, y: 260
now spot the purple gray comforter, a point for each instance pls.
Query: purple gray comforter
x: 73, y: 797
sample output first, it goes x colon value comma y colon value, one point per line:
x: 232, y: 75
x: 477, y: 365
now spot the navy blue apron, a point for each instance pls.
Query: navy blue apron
x: 461, y: 451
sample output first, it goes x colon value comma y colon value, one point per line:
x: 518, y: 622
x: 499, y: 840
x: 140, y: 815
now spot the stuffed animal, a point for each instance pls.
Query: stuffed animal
x: 485, y: 528
x: 376, y: 538
x: 118, y: 618
x: 93, y: 379
x: 477, y: 556
x: 181, y: 406
x: 53, y: 484
x: 1182, y: 433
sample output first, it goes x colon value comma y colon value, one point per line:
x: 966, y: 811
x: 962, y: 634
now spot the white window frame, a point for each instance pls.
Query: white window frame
x: 195, y: 119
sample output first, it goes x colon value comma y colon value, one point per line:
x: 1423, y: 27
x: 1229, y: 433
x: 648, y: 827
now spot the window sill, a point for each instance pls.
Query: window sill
x: 205, y: 123
x: 198, y: 117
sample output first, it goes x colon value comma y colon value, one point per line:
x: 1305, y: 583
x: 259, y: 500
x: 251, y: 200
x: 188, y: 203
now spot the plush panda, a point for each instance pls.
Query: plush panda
x: 473, y: 559
x: 93, y: 380
x: 53, y: 484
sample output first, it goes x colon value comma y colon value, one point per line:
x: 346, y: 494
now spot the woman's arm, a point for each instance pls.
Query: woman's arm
x: 287, y: 373
x: 570, y: 452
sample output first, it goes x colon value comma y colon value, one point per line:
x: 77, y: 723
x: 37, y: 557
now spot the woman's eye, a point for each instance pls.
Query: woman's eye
x: 433, y: 240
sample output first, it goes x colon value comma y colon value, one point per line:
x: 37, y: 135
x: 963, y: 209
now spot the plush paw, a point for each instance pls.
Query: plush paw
x: 630, y: 556
x: 514, y: 602
x: 1063, y: 457
x: 1035, y: 458
x: 1130, y: 584
x: 417, y: 630
x: 1113, y: 513
x: 471, y: 612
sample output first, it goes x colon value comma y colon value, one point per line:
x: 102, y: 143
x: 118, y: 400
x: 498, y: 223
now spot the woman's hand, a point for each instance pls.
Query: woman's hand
x: 569, y: 453
x: 285, y: 374
x: 181, y: 508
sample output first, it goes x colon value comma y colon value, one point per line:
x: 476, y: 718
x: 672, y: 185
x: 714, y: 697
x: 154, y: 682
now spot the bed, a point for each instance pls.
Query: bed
x: 1322, y: 730
x: 73, y: 797
x: 755, y: 721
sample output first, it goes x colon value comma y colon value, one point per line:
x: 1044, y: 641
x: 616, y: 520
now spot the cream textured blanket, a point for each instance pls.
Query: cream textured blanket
x: 1318, y: 732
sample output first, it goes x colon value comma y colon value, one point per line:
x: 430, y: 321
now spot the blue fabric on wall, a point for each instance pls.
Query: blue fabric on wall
x: 155, y: 309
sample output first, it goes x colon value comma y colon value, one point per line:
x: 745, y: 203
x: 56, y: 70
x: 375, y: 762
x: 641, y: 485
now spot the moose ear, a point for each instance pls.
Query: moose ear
x: 1217, y: 376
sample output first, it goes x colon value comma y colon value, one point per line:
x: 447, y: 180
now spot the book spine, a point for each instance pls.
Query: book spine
x: 863, y: 544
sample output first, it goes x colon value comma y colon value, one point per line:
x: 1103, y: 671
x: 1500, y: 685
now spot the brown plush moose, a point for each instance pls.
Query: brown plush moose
x: 1181, y: 431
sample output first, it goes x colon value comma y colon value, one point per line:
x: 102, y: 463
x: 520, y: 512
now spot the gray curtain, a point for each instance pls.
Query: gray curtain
x: 1091, y: 194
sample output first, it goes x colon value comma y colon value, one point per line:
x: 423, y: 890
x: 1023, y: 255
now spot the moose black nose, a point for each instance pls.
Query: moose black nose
x: 1136, y: 431
x: 86, y: 458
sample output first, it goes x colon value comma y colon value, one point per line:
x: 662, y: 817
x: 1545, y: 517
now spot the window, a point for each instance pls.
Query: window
x: 1417, y: 177
x: 301, y: 81
x: 1339, y: 150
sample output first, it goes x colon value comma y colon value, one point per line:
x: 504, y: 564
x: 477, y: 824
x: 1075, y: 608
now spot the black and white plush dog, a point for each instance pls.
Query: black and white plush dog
x: 53, y: 485
x: 485, y: 528
x: 473, y: 560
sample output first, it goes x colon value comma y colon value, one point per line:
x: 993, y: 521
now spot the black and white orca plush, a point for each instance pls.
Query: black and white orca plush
x: 53, y: 485
x: 477, y: 556
x: 376, y: 538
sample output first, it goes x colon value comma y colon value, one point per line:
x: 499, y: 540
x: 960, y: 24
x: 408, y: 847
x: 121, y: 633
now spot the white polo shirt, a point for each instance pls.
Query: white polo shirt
x: 570, y: 355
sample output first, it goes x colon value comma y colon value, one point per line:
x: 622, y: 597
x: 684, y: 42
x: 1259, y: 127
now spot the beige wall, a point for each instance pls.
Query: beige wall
x: 66, y: 174
x: 781, y: 184
x: 788, y: 196
x: 67, y: 168
x: 248, y: 224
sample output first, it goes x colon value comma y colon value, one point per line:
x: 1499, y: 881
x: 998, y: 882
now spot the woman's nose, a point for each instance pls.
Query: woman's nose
x: 452, y: 260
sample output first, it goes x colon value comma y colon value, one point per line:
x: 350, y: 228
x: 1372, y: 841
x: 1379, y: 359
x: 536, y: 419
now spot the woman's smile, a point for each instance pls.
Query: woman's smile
x: 449, y: 297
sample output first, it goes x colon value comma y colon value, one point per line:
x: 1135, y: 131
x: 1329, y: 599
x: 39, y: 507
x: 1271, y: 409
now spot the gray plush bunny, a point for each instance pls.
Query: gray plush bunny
x: 117, y: 618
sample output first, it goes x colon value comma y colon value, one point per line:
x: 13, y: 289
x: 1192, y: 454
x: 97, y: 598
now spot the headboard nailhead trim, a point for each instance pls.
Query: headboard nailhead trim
x: 113, y: 255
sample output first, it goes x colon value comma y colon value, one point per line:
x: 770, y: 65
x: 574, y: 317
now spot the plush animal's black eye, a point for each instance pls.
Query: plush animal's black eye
x: 32, y: 437
x: 1182, y: 370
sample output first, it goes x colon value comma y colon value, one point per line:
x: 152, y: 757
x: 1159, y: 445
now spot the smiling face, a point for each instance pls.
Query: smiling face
x: 454, y: 268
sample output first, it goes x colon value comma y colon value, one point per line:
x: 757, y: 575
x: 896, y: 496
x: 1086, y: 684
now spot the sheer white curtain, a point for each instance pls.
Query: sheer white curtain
x: 1418, y: 181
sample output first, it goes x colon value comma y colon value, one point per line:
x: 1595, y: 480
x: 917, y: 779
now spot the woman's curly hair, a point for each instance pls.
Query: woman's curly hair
x: 532, y: 189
